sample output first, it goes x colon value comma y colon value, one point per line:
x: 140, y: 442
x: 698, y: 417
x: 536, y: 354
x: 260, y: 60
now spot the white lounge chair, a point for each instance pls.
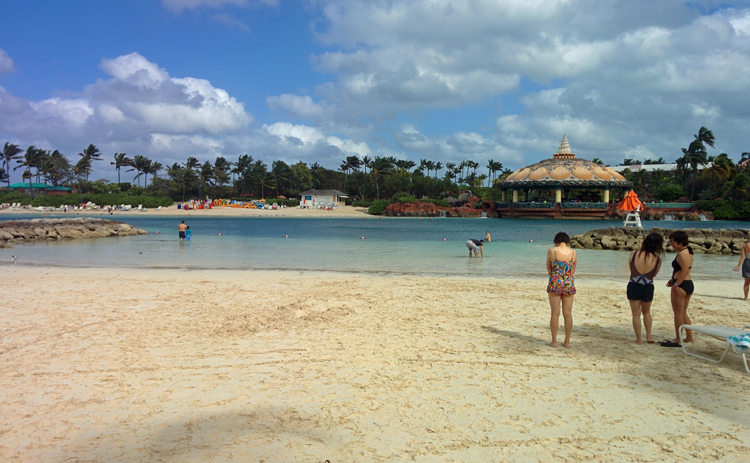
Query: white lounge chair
x: 718, y: 332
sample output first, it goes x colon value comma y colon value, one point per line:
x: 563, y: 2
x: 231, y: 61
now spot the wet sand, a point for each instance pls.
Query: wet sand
x: 152, y: 365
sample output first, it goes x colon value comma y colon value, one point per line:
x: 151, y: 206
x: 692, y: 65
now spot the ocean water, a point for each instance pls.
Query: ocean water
x: 391, y: 246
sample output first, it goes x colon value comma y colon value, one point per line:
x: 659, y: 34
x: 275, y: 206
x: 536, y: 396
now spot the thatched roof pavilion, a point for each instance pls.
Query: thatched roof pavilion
x: 564, y: 171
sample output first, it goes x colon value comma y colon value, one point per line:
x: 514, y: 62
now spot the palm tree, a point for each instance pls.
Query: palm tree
x: 30, y: 159
x: 693, y: 156
x: 705, y: 136
x: 91, y: 153
x: 140, y: 164
x: 379, y: 167
x: 406, y: 164
x: 438, y: 166
x: 153, y: 168
x: 181, y: 175
x: 46, y: 169
x: 3, y: 175
x: 265, y: 179
x: 121, y: 160
x: 221, y: 171
x: 82, y: 169
x: 10, y: 152
x: 366, y: 160
x: 280, y: 171
x: 424, y: 164
x: 205, y: 175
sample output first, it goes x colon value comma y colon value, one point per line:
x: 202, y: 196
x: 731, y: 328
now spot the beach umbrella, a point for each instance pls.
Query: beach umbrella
x: 630, y: 203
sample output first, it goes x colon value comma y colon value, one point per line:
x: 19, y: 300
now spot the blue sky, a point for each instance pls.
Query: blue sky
x: 320, y: 80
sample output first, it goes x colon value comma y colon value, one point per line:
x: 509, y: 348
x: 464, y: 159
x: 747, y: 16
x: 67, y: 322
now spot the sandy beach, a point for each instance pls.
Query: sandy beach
x: 153, y: 365
x: 342, y: 212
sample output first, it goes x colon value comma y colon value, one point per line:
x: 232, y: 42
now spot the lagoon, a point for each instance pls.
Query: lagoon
x: 391, y: 246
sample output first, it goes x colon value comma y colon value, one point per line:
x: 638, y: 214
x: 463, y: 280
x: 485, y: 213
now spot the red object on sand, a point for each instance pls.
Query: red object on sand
x: 630, y: 203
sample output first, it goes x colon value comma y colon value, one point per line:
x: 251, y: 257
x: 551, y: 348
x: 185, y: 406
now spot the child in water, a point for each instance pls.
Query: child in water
x: 188, y: 234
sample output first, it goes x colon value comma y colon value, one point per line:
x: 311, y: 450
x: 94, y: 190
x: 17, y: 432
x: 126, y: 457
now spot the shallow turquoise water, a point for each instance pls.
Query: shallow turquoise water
x: 391, y: 246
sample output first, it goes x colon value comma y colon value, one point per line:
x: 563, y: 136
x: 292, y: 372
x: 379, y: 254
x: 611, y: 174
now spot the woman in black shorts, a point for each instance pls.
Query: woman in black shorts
x: 644, y: 266
x: 682, y: 286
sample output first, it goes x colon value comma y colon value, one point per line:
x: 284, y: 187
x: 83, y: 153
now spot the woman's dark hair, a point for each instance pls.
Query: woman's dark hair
x: 653, y: 244
x: 679, y: 236
x: 562, y: 237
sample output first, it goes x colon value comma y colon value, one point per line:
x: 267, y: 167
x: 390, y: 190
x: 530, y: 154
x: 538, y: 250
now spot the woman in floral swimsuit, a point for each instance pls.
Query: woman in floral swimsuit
x: 561, y: 265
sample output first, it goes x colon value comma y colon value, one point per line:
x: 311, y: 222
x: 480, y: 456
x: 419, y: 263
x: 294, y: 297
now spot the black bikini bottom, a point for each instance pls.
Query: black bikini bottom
x: 688, y: 287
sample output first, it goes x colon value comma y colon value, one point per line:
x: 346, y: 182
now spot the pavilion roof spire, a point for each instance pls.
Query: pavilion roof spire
x: 563, y: 152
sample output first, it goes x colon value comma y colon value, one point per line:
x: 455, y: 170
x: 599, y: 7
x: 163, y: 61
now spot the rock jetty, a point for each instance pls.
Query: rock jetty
x: 20, y: 231
x: 702, y: 240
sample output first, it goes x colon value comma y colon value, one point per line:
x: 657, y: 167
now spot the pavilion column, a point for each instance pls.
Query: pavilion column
x: 606, y: 195
x: 502, y: 198
x: 515, y: 196
x: 625, y: 193
x: 558, y: 195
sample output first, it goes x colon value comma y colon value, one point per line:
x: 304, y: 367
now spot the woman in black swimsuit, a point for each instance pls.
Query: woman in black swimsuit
x: 682, y: 286
x: 644, y: 266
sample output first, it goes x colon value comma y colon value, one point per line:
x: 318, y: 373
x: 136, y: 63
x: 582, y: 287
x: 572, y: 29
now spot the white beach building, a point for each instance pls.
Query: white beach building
x: 317, y: 198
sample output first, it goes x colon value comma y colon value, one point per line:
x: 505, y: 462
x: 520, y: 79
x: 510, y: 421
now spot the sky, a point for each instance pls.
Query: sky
x: 320, y: 80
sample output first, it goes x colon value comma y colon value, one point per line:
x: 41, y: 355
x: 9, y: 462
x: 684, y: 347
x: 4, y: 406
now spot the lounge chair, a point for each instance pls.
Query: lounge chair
x: 719, y: 332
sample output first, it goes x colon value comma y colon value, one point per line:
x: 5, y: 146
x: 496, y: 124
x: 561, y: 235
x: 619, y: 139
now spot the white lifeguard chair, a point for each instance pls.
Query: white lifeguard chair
x: 633, y: 218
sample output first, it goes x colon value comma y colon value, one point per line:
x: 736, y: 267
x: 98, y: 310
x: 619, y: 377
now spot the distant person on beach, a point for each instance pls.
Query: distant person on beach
x: 745, y: 264
x: 475, y: 246
x: 561, y: 265
x: 182, y: 227
x: 487, y: 236
x: 188, y: 234
x: 682, y: 286
x: 644, y: 266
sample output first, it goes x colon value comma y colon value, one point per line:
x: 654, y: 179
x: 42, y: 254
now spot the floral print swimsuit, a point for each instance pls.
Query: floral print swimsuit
x: 562, y: 280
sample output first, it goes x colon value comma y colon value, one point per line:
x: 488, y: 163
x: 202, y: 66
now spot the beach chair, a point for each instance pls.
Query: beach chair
x: 719, y: 332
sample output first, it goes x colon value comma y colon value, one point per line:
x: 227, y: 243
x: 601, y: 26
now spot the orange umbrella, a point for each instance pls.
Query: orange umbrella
x: 630, y: 203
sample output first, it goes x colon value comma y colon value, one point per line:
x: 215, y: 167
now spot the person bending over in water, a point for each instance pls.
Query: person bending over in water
x: 561, y: 265
x: 475, y: 246
x: 644, y: 266
x: 745, y: 264
x: 682, y: 286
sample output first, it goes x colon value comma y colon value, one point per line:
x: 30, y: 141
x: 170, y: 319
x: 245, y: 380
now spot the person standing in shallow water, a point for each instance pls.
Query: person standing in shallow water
x: 561, y: 265
x: 644, y: 266
x: 182, y: 227
x: 745, y: 264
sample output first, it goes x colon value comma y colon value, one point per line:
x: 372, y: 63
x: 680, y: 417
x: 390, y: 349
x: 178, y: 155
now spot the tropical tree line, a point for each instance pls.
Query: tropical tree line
x: 365, y: 178
x: 699, y: 175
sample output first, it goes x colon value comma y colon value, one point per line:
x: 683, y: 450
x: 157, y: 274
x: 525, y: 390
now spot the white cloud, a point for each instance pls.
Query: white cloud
x: 177, y: 6
x: 297, y: 106
x: 231, y: 21
x: 6, y: 63
x: 139, y: 107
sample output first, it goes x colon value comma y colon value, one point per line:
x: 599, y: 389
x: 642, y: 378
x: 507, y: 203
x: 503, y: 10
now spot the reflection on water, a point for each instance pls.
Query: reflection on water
x: 391, y: 246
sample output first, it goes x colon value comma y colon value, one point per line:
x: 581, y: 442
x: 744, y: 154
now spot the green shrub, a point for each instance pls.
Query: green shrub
x: 378, y: 206
x: 403, y: 198
x: 670, y: 192
x: 437, y: 202
x: 361, y: 203
x: 101, y: 200
x: 11, y: 197
x: 726, y: 211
